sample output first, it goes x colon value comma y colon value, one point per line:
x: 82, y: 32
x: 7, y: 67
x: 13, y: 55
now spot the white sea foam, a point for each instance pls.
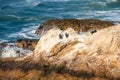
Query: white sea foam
x: 3, y: 40
x: 28, y: 33
x: 55, y: 0
x: 14, y: 16
x: 9, y: 51
x: 33, y: 2
x: 110, y: 15
x: 37, y: 2
x: 111, y: 1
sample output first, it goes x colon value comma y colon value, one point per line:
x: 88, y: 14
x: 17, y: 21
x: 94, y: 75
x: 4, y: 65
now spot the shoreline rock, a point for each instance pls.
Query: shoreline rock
x: 28, y: 69
x: 80, y: 25
x: 78, y: 56
x: 92, y: 54
x: 67, y: 54
x: 28, y: 44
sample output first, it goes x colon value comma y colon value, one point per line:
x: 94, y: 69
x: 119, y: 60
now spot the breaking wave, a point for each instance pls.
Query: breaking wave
x: 13, y: 52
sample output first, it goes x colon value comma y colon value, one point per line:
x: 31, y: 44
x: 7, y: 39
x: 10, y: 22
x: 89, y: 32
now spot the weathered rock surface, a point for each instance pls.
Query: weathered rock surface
x: 96, y: 54
x: 74, y: 56
x: 27, y: 43
x: 27, y: 69
x: 80, y: 25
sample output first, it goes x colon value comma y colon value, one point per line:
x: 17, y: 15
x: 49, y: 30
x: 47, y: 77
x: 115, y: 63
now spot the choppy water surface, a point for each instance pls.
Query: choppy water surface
x: 20, y: 18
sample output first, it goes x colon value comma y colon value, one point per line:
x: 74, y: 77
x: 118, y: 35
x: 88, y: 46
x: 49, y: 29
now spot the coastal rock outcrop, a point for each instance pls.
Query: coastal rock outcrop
x: 80, y: 25
x: 96, y: 54
x: 67, y: 54
x: 28, y: 44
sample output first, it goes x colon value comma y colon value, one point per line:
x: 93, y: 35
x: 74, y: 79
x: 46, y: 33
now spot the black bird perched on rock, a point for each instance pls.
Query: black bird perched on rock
x: 67, y: 35
x: 60, y: 36
x: 94, y: 31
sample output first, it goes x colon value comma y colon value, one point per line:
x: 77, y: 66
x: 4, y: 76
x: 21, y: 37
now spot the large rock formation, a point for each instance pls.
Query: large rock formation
x: 76, y: 24
x: 63, y: 55
x: 80, y: 25
x: 96, y: 54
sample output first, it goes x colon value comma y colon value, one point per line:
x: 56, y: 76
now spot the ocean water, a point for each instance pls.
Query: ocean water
x: 20, y: 18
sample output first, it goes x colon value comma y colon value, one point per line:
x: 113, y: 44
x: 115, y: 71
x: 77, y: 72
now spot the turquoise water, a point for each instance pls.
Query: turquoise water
x: 20, y: 18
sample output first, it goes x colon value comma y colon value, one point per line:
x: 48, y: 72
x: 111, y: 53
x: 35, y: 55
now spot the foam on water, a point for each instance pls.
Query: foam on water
x: 14, y: 16
x: 37, y: 2
x: 3, y: 40
x: 33, y: 2
x: 55, y: 0
x: 20, y: 18
x: 9, y: 51
x: 111, y: 1
x: 28, y: 33
x: 110, y: 15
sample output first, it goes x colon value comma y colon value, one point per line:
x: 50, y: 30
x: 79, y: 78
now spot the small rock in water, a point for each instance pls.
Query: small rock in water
x: 4, y: 44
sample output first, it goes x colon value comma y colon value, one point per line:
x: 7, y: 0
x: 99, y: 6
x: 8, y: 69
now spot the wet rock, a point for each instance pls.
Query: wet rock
x: 26, y: 43
x: 4, y: 44
x: 0, y: 52
x: 80, y: 25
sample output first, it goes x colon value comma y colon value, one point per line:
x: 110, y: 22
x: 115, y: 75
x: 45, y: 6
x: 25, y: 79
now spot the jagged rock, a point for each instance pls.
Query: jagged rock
x: 27, y: 69
x: 73, y: 57
x: 80, y: 25
x: 96, y: 54
x: 26, y: 43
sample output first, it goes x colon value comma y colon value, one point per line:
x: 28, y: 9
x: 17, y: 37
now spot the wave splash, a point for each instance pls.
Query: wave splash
x: 9, y: 51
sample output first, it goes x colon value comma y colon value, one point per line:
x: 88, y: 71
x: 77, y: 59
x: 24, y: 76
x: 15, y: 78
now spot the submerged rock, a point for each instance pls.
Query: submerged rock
x: 80, y: 25
x: 26, y: 43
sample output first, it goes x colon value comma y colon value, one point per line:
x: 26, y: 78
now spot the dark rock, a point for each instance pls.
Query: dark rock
x: 26, y: 43
x: 80, y: 25
x: 0, y: 52
x: 4, y: 44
